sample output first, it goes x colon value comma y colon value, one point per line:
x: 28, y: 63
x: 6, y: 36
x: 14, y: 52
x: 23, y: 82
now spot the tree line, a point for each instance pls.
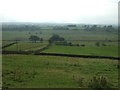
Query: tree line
x: 20, y: 27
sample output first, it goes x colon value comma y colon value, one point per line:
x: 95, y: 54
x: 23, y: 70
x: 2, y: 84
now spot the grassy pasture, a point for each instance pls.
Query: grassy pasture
x: 25, y: 46
x: 30, y: 71
x: 87, y: 50
x: 73, y: 36
x: 67, y: 34
x: 6, y: 42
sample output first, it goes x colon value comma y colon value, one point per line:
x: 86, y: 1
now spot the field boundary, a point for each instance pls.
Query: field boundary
x: 26, y: 52
x: 82, y: 56
x: 8, y: 45
x: 55, y: 54
x: 42, y: 49
x: 38, y: 52
x: 17, y: 52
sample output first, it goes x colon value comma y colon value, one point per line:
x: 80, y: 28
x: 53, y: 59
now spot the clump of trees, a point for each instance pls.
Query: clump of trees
x: 56, y: 37
x: 105, y: 28
x: 35, y: 38
x: 57, y: 40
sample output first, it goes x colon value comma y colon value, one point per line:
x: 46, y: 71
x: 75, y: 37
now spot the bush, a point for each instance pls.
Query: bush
x: 80, y: 82
x: 56, y: 37
x: 97, y: 44
x: 104, y: 44
x: 99, y: 82
x: 83, y: 45
x: 65, y: 43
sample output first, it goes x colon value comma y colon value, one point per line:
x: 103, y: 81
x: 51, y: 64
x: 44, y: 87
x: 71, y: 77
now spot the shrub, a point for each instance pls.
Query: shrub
x: 99, y: 82
x: 97, y: 44
x: 56, y: 37
x: 104, y: 44
x: 80, y: 81
x: 83, y: 45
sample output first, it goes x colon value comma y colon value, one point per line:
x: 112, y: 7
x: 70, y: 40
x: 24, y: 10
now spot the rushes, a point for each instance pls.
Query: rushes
x: 94, y: 82
x: 99, y: 82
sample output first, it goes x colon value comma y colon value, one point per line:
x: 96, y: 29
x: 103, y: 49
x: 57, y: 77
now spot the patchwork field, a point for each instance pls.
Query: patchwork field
x: 30, y: 71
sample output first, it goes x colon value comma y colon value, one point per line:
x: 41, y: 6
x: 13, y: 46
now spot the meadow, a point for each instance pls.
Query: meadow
x: 87, y: 50
x: 6, y: 42
x: 25, y: 46
x: 71, y: 35
x: 37, y: 71
x: 30, y: 71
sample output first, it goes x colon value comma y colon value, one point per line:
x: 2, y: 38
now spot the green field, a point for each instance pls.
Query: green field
x: 6, y: 42
x: 68, y: 35
x: 87, y: 50
x: 30, y: 71
x: 35, y: 71
x: 25, y: 46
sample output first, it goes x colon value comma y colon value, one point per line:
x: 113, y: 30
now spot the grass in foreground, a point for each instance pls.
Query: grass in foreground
x: 30, y: 71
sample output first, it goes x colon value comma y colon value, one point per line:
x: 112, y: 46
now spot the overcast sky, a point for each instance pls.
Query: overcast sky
x: 60, y: 11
